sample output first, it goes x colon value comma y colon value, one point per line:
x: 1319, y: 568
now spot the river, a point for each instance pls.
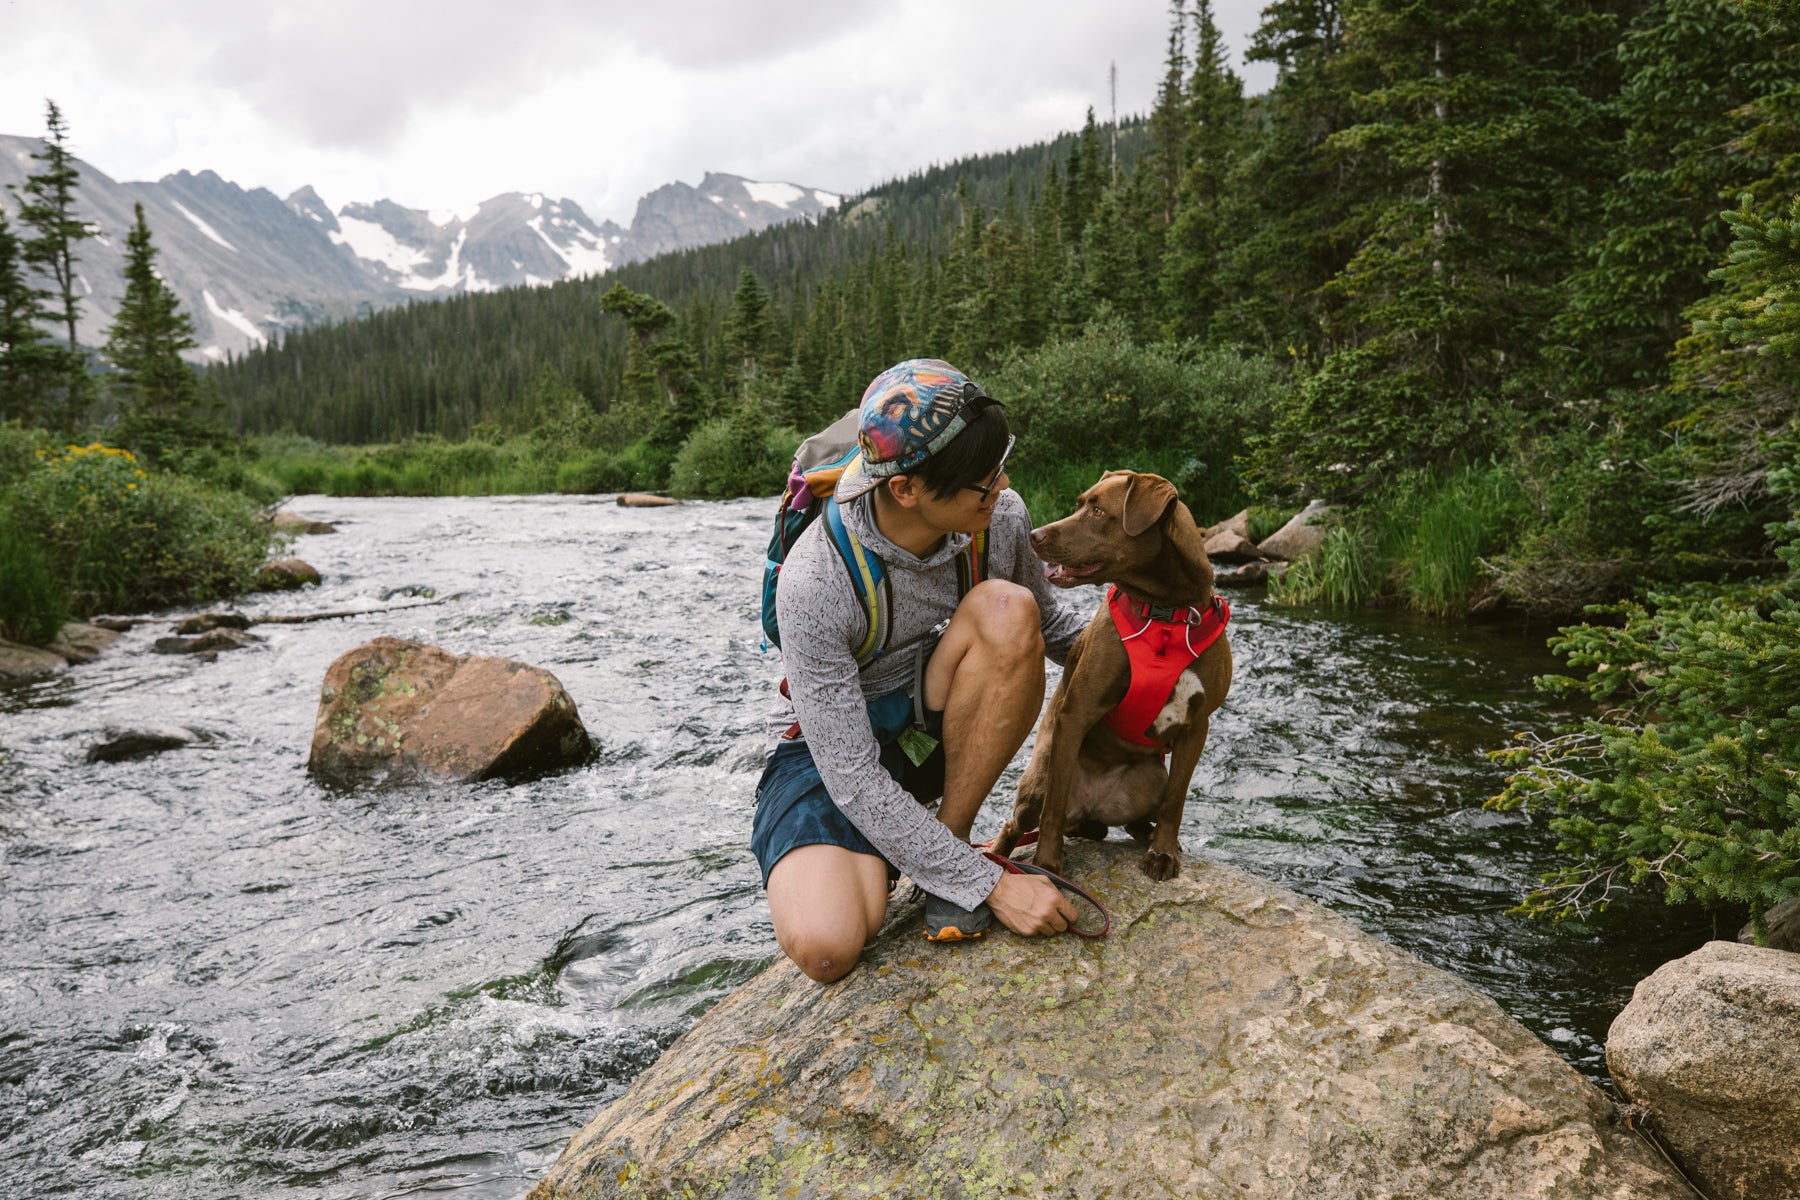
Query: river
x: 220, y: 980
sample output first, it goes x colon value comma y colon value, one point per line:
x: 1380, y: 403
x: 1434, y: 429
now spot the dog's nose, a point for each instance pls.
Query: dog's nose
x: 1037, y: 536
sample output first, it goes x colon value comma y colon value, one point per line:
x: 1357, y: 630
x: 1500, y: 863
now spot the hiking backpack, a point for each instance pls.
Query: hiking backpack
x: 810, y: 494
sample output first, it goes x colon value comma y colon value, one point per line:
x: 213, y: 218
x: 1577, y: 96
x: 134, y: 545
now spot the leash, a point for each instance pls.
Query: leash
x: 1012, y: 867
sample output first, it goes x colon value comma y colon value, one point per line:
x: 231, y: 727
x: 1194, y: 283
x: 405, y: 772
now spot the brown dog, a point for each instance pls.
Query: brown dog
x: 1132, y: 531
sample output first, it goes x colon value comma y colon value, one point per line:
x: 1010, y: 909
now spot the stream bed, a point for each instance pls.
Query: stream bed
x: 218, y: 979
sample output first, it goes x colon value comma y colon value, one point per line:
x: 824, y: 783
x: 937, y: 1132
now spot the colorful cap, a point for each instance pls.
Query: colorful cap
x: 910, y: 412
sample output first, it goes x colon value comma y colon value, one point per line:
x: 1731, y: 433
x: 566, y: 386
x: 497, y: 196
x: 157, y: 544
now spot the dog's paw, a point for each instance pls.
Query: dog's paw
x: 1053, y: 865
x: 1159, y: 866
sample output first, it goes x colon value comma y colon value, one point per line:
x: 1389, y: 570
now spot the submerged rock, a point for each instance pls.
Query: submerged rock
x: 1710, y: 1045
x: 202, y: 622
x: 1228, y: 1039
x: 284, y: 574
x: 211, y: 641
x: 140, y: 741
x: 645, y: 500
x: 395, y: 711
x: 1301, y: 536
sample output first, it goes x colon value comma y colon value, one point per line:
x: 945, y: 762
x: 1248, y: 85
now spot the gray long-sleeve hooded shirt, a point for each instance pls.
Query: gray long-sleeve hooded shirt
x: 822, y: 623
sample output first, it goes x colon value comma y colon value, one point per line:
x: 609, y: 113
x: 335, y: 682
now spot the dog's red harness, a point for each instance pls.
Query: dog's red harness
x: 1159, y: 643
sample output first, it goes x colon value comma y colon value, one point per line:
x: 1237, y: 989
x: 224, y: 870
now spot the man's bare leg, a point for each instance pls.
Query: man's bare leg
x: 987, y: 675
x: 826, y: 903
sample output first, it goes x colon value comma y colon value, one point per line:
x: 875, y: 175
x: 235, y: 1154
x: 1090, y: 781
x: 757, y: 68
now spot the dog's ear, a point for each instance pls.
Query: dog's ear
x: 1147, y: 502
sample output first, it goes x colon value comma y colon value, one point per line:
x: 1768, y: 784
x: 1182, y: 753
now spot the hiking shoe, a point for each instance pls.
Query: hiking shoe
x: 945, y: 922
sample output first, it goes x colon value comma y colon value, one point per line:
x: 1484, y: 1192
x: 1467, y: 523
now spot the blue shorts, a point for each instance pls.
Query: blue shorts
x: 793, y: 808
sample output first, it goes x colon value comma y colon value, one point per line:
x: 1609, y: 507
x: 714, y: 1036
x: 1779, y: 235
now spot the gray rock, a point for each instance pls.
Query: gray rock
x: 140, y: 741
x: 209, y: 642
x: 1301, y: 536
x: 284, y: 574
x: 1228, y: 1039
x: 394, y: 711
x: 201, y: 622
x: 645, y: 500
x: 1783, y: 921
x: 116, y: 624
x: 28, y: 662
x: 1229, y: 546
x: 82, y: 643
x: 292, y: 522
x: 1710, y: 1045
x: 1238, y: 524
x: 1249, y: 573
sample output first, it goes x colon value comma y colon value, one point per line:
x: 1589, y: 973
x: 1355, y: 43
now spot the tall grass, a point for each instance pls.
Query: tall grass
x: 1423, y: 538
x: 33, y: 606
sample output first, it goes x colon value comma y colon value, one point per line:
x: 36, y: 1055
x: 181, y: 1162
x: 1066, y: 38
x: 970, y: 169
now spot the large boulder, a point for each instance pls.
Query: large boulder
x: 1710, y: 1045
x: 1230, y: 546
x: 394, y: 711
x: 1302, y: 535
x: 1228, y: 1039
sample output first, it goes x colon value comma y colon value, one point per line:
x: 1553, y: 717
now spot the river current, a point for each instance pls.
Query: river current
x: 220, y: 980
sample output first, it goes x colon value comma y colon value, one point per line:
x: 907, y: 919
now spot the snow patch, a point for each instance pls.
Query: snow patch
x: 233, y: 318
x: 213, y: 353
x: 370, y: 241
x: 443, y: 217
x: 536, y: 199
x: 781, y: 195
x: 716, y: 199
x: 87, y: 289
x: 202, y: 226
x: 453, y: 270
x: 828, y: 199
x: 585, y: 256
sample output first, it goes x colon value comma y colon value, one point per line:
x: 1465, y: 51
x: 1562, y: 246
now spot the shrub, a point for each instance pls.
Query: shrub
x: 119, y: 537
x: 1439, y: 534
x: 33, y: 605
x: 1102, y: 401
x: 733, y: 457
x: 1343, y: 573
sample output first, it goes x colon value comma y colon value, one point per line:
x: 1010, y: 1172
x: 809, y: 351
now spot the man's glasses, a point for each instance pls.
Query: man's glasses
x: 987, y: 489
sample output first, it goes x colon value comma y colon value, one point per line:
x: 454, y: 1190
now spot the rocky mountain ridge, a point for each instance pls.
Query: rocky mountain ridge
x: 248, y: 264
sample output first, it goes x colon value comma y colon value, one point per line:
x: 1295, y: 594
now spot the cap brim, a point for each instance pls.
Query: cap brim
x: 855, y: 480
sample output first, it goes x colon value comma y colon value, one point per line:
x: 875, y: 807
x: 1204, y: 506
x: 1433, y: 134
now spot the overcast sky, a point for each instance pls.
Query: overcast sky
x: 442, y: 104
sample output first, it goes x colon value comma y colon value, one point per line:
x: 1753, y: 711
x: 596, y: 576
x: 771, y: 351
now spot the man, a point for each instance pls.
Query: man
x: 941, y: 713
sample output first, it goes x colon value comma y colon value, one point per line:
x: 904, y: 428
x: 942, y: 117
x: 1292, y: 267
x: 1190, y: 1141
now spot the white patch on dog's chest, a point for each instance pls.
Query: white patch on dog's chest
x: 1174, y: 714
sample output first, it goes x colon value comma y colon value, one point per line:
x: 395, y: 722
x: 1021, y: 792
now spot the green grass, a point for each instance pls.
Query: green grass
x: 33, y: 605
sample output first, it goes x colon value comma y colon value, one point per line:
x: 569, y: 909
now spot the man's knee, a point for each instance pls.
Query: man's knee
x: 823, y: 957
x: 1007, y: 618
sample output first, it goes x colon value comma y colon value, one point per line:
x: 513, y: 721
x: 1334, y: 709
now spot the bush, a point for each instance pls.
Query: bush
x: 641, y: 466
x: 33, y: 605
x: 1343, y: 573
x: 1102, y: 401
x: 733, y: 457
x: 122, y: 538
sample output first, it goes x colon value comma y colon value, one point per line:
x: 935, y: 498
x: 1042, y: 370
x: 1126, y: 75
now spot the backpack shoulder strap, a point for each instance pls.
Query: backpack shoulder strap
x: 867, y: 577
x: 972, y: 564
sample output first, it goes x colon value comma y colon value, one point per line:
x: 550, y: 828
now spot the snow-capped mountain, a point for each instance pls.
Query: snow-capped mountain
x: 247, y: 264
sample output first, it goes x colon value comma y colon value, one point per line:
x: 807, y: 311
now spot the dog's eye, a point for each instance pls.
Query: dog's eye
x: 1096, y: 511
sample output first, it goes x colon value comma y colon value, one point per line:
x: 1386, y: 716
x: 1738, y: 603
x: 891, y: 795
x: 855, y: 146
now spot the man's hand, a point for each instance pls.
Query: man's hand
x: 1030, y: 904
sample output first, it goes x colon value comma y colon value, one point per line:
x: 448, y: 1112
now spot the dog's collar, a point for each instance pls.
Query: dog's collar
x: 1176, y: 614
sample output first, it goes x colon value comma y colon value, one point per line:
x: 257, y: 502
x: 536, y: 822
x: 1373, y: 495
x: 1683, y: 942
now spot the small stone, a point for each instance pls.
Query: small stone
x: 116, y: 624
x: 1783, y: 921
x: 1229, y: 546
x: 645, y: 500
x: 292, y: 522
x: 1249, y: 573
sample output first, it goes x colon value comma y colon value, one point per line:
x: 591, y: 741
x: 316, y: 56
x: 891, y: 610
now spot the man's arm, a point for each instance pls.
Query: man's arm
x: 1061, y: 625
x: 820, y: 621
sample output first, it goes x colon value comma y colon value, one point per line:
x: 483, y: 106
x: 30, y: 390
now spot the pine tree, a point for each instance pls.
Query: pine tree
x: 148, y: 336
x: 1214, y: 110
x: 747, y: 332
x: 27, y: 361
x: 47, y: 208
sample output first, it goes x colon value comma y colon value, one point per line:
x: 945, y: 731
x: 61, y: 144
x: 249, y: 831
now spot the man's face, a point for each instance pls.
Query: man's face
x: 970, y: 508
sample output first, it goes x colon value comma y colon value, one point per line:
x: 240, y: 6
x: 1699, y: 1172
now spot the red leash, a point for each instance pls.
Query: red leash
x: 1018, y: 868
